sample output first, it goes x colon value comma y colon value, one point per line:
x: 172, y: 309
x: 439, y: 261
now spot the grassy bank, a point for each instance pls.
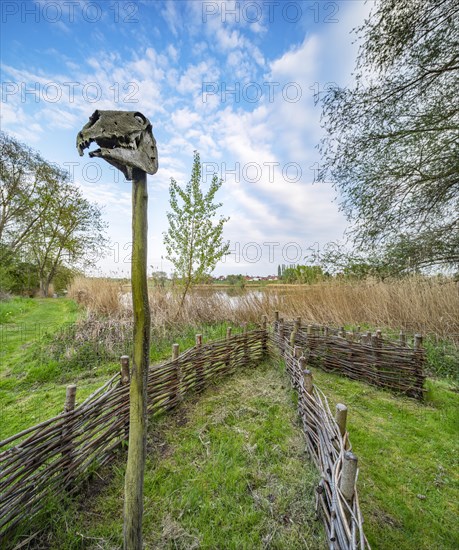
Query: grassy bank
x: 47, y: 344
x: 408, y: 454
x: 225, y: 471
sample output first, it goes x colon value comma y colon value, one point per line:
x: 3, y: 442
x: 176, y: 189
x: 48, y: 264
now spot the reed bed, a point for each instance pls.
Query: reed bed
x: 416, y: 304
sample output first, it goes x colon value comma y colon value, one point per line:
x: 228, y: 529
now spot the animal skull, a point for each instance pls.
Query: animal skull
x: 125, y: 139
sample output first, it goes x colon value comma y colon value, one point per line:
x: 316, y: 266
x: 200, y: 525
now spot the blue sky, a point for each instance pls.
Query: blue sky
x: 234, y: 80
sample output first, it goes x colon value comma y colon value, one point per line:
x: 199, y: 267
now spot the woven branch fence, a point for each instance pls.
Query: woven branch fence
x: 360, y: 356
x: 54, y: 456
x: 330, y: 449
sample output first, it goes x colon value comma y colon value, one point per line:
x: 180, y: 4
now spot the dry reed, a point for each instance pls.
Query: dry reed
x: 416, y: 304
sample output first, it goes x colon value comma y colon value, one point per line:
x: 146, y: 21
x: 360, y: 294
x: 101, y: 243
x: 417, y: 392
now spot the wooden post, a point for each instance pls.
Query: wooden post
x: 69, y: 406
x: 296, y: 370
x: 402, y: 339
x: 199, y: 366
x: 178, y: 375
x: 341, y: 332
x: 137, y: 450
x: 307, y: 380
x: 228, y: 356
x: 341, y: 418
x: 297, y: 324
x: 70, y: 397
x: 246, y: 348
x: 264, y: 338
x: 419, y: 382
x: 326, y: 331
x: 292, y: 338
x: 124, y: 372
x: 348, y: 475
x: 281, y: 334
x: 379, y: 334
x: 417, y: 341
x: 125, y: 381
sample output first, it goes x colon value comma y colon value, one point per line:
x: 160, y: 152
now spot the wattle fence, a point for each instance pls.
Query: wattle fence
x: 54, y: 456
x: 360, y: 355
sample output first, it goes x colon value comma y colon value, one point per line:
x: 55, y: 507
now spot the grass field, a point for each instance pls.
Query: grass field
x: 226, y: 471
x: 235, y: 457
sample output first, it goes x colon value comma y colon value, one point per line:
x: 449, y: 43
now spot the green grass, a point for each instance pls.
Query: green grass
x: 40, y: 356
x: 225, y: 471
x: 32, y: 381
x: 408, y: 454
x: 207, y: 483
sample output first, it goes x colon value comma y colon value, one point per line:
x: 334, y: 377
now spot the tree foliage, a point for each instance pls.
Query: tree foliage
x: 47, y: 227
x: 194, y: 240
x: 303, y: 274
x: 392, y: 140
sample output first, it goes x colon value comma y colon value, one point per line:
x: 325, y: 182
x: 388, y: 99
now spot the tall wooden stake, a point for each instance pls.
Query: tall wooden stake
x: 135, y: 469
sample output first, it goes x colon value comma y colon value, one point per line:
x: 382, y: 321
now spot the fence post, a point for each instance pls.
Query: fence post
x: 246, y: 342
x: 178, y: 374
x: 348, y: 475
x: 276, y: 321
x: 281, y: 335
x: 125, y: 381
x: 341, y: 418
x: 297, y: 353
x: 228, y: 345
x: 402, y: 339
x: 307, y: 379
x: 264, y: 337
x: 124, y: 372
x: 70, y: 398
x: 419, y: 359
x: 69, y: 406
x: 199, y: 365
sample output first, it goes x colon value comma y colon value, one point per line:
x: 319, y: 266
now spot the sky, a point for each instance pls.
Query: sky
x: 236, y: 81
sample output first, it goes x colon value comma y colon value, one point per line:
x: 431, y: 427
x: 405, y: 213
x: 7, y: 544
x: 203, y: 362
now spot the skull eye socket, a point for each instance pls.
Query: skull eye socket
x: 93, y: 119
x: 140, y: 118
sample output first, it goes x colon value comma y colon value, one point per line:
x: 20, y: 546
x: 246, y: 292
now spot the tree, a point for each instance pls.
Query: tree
x: 46, y: 224
x: 392, y: 140
x: 24, y: 176
x: 194, y: 240
x: 236, y: 280
x: 68, y: 233
x: 159, y: 278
